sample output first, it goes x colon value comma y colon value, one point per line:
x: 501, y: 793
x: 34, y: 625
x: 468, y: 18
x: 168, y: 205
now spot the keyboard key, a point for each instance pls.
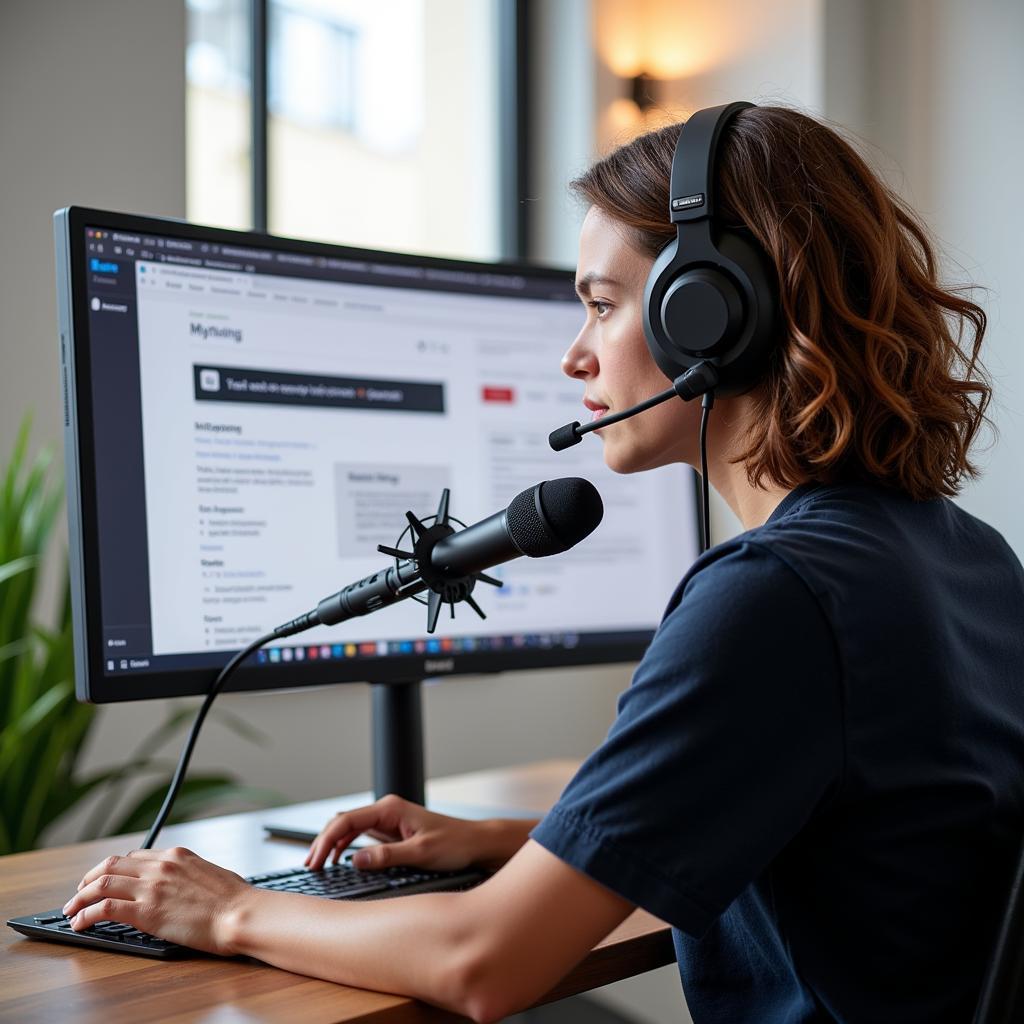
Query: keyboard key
x: 364, y: 890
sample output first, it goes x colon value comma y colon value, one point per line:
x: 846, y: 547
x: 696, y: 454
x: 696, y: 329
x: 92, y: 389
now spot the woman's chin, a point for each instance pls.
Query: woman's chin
x: 620, y: 460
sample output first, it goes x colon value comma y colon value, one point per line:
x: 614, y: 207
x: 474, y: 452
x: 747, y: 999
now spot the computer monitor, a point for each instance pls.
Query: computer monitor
x: 247, y: 417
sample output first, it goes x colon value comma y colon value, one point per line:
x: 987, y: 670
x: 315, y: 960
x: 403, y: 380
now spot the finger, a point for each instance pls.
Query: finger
x: 323, y: 846
x: 324, y: 843
x: 332, y: 850
x: 340, y: 848
x: 326, y: 837
x: 117, y: 887
x: 322, y: 838
x: 109, y: 909
x: 112, y: 866
x: 387, y: 855
x: 385, y: 814
x: 335, y: 852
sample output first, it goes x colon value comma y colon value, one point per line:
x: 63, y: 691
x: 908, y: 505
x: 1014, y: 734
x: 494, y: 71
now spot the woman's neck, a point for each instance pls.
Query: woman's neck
x: 727, y: 431
x: 751, y: 505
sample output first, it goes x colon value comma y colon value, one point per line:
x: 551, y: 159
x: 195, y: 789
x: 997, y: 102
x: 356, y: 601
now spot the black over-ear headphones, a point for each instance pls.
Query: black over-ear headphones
x: 710, y: 304
x: 711, y: 295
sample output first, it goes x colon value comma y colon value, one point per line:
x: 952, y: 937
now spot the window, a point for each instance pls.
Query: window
x: 218, y: 141
x: 381, y: 121
x: 312, y: 79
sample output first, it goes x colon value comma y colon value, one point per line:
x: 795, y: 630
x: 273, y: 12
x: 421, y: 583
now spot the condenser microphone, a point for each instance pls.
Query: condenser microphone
x: 545, y: 519
x: 694, y: 382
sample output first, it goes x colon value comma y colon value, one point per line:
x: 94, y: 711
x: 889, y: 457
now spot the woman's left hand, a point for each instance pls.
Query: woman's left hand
x: 173, y: 894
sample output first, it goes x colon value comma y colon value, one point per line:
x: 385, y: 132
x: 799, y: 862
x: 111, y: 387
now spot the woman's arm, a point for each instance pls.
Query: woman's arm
x: 484, y: 953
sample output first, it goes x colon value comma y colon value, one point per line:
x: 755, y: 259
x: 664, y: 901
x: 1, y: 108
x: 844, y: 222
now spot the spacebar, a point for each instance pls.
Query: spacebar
x: 359, y: 890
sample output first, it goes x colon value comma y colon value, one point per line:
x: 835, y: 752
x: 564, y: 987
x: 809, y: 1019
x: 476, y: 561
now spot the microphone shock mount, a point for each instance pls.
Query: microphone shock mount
x: 443, y: 587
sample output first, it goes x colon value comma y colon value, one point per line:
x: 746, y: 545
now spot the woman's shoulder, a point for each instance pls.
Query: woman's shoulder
x: 866, y: 529
x: 856, y: 548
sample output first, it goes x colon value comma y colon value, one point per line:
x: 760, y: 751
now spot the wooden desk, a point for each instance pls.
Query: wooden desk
x: 48, y: 982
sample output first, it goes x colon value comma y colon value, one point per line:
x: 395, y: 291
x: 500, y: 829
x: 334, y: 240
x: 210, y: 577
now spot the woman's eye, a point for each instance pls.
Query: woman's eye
x: 599, y: 307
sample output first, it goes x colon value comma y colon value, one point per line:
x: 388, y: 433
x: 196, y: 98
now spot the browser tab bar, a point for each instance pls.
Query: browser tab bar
x: 246, y: 254
x: 295, y: 258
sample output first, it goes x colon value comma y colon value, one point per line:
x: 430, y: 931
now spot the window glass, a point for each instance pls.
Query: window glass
x: 383, y: 124
x: 217, y: 113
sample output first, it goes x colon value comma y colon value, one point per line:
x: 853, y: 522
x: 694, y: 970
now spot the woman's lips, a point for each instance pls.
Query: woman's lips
x: 597, y: 414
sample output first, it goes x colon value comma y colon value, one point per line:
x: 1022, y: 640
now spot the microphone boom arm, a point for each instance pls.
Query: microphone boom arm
x: 696, y: 381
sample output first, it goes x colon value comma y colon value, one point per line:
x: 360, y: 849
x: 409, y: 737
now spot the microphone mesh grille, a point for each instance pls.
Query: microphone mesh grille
x: 553, y: 516
x: 527, y: 528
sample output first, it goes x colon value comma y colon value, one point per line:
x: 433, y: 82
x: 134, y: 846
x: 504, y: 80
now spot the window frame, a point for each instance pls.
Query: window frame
x: 514, y: 25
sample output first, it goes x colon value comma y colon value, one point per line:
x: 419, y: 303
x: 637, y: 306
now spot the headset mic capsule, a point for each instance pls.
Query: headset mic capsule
x: 565, y: 436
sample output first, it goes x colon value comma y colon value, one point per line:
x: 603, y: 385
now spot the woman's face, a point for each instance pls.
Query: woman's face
x: 611, y: 358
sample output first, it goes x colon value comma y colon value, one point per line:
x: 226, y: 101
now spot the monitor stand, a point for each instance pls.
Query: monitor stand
x: 398, y: 764
x: 398, y: 767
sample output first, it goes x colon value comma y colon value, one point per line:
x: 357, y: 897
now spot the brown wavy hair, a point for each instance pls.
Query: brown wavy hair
x: 876, y: 375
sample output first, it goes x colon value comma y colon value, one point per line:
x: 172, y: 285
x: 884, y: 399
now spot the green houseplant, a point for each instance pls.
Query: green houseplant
x: 43, y: 728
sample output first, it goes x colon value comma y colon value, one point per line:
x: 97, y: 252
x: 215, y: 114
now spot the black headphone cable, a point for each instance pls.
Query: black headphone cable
x: 706, y: 404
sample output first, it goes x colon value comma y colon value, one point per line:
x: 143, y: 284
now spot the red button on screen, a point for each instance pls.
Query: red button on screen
x: 499, y: 395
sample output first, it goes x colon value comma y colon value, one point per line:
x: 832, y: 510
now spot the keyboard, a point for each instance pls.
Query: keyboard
x: 333, y: 882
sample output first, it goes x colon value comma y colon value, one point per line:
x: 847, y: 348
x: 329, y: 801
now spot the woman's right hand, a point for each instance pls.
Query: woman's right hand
x: 410, y: 834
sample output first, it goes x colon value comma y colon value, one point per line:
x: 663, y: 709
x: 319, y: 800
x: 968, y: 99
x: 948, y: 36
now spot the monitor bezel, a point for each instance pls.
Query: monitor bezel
x: 91, y: 683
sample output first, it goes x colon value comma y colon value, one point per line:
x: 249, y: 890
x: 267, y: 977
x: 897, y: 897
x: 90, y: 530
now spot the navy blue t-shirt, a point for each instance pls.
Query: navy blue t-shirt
x: 817, y: 774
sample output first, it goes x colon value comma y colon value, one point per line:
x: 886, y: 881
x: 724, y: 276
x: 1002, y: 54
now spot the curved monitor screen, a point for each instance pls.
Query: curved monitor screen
x: 249, y: 417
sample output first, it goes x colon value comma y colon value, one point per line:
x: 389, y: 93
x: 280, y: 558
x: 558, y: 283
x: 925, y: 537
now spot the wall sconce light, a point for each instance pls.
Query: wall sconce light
x: 658, y: 52
x: 642, y: 91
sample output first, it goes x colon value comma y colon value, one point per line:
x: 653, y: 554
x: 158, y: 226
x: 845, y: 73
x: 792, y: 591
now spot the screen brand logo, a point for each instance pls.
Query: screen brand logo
x: 433, y: 665
x: 687, y: 202
x: 207, y: 331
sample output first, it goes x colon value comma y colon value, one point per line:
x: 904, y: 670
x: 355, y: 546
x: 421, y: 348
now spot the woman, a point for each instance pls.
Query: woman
x: 817, y: 773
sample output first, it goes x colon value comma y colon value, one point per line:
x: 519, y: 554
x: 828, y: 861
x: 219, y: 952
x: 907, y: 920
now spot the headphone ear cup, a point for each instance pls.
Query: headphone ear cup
x: 718, y: 307
x: 670, y: 358
x: 744, y: 364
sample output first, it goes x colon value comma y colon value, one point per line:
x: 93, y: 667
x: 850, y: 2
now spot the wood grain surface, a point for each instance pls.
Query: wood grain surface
x: 49, y: 982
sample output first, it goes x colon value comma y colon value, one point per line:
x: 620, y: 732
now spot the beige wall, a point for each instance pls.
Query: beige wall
x: 933, y: 88
x: 91, y: 113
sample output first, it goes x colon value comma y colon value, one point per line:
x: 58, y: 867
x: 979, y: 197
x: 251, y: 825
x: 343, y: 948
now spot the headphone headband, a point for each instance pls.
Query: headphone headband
x: 711, y: 293
x: 692, y: 187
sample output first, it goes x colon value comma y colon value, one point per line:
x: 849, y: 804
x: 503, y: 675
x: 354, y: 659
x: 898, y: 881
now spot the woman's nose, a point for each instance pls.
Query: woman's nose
x: 579, y: 361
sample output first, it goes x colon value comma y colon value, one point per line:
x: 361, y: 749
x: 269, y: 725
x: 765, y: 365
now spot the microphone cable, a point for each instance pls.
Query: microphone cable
x: 186, y: 753
x: 707, y: 404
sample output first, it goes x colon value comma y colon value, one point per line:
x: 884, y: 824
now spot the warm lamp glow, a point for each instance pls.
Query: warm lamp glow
x: 622, y: 120
x: 665, y: 38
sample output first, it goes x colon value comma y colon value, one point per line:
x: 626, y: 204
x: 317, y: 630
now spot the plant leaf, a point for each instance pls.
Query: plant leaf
x: 18, y: 565
x: 43, y: 729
